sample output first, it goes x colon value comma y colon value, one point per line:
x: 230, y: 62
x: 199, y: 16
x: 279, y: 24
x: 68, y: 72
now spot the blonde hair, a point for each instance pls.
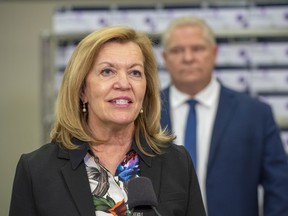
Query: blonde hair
x: 189, y: 21
x: 71, y: 122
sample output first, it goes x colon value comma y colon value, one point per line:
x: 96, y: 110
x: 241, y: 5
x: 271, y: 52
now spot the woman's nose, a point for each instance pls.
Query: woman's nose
x: 122, y: 81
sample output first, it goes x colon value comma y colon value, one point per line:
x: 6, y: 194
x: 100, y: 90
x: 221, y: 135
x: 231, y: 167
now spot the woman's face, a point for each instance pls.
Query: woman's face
x: 115, y: 86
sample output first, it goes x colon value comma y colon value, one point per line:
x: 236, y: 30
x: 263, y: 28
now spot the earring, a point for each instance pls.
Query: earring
x: 84, y: 108
x: 141, y: 111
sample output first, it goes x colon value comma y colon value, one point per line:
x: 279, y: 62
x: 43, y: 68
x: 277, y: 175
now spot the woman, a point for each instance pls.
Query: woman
x: 107, y: 131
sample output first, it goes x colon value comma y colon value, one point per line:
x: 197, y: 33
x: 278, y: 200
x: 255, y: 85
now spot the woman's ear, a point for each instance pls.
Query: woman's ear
x: 82, y: 95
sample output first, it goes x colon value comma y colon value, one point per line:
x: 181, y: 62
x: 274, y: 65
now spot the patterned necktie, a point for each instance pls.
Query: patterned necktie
x: 190, y: 133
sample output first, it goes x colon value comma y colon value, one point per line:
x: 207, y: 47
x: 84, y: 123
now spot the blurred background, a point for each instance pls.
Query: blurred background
x: 38, y: 36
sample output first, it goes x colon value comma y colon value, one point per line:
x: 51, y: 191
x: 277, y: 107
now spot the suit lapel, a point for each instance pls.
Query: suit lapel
x: 77, y: 182
x: 165, y: 110
x: 227, y: 104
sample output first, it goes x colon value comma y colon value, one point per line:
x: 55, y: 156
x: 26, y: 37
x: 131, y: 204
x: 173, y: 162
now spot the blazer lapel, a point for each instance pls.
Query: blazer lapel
x: 227, y: 104
x: 149, y: 166
x: 78, y: 185
x: 152, y: 171
x: 165, y: 109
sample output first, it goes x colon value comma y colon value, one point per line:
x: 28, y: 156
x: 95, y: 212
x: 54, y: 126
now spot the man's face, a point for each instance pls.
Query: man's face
x: 190, y: 58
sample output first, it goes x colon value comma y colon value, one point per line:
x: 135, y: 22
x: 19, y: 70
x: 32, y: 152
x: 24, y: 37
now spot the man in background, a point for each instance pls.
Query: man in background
x: 238, y: 145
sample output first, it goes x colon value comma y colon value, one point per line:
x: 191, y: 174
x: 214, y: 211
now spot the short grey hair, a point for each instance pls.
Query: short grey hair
x: 188, y: 21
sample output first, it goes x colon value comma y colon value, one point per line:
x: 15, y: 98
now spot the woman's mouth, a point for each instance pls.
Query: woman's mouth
x: 121, y: 101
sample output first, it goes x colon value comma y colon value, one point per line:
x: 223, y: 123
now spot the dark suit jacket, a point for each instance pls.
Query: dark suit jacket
x: 245, y: 151
x: 52, y: 181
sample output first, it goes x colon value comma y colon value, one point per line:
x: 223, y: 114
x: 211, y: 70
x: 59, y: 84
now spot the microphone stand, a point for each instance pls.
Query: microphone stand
x: 155, y: 210
x: 153, y: 207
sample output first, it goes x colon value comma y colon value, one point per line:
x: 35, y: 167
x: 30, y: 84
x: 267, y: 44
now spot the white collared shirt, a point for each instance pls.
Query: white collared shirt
x: 205, y: 113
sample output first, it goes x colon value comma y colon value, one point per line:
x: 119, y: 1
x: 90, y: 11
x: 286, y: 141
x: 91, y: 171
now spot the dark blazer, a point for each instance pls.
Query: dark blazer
x: 245, y: 151
x: 52, y: 181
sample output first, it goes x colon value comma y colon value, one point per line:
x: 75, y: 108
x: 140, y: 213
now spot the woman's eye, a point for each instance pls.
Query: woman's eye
x: 107, y: 72
x: 135, y: 73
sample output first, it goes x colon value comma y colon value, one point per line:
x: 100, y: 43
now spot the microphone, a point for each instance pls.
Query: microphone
x: 141, y: 194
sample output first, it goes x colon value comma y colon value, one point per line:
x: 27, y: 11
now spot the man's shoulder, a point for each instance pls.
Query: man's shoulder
x: 244, y: 99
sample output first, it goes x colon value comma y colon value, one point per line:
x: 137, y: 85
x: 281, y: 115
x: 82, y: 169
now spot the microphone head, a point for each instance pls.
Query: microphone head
x: 141, y: 193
